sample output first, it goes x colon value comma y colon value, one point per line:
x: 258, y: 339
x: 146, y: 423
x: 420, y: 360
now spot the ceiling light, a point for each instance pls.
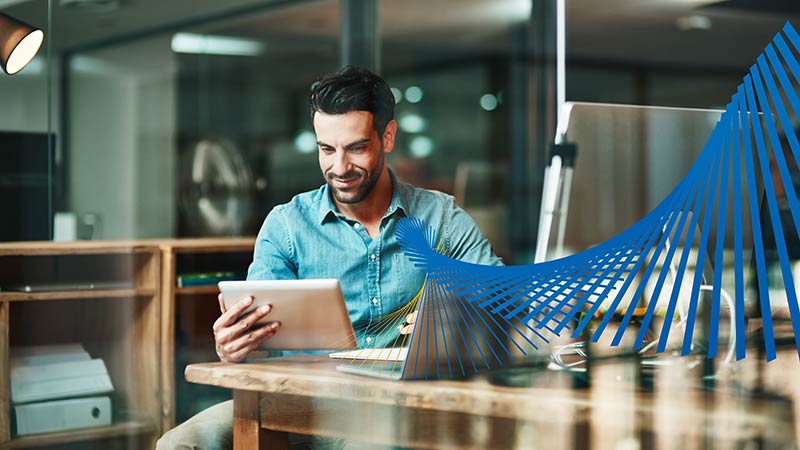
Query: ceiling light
x: 19, y: 43
x: 488, y: 102
x: 305, y: 142
x: 413, y: 94
x: 398, y: 95
x: 412, y: 123
x: 215, y: 45
x: 421, y: 146
x: 95, y: 6
x: 694, y: 22
x: 6, y: 3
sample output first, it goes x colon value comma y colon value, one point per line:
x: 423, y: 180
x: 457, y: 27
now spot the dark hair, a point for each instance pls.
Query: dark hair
x: 353, y: 89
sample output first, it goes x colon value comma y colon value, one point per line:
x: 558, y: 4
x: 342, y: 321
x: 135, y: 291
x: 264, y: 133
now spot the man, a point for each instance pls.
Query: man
x: 344, y: 230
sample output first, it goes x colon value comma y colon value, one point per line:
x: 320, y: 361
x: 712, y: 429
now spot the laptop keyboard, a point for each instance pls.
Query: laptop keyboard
x: 375, y: 354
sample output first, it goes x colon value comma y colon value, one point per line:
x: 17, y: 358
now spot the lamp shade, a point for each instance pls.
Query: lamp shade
x: 19, y: 43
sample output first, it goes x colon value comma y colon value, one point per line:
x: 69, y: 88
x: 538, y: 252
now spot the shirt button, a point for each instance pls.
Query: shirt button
x: 356, y: 225
x: 372, y: 256
x: 374, y: 301
x: 369, y: 340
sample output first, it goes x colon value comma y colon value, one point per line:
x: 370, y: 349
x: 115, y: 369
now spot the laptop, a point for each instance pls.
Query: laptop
x: 452, y: 338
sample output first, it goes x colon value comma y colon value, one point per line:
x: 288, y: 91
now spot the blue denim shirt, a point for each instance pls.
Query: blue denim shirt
x: 309, y: 238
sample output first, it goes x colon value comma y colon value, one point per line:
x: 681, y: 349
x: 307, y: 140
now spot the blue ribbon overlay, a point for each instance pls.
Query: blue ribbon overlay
x: 482, y: 316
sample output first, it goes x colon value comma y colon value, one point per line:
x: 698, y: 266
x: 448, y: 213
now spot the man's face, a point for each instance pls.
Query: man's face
x: 351, y: 154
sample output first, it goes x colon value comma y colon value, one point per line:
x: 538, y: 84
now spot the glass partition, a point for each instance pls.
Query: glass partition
x: 201, y: 129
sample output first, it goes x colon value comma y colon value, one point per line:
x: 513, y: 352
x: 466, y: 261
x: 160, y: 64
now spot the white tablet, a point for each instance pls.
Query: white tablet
x: 312, y: 313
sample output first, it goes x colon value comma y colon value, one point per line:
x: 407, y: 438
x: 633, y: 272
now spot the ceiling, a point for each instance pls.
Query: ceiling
x: 645, y: 32
x: 622, y: 31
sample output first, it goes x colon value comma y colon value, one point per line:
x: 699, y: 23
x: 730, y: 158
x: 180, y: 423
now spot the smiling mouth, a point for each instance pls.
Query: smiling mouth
x: 344, y: 183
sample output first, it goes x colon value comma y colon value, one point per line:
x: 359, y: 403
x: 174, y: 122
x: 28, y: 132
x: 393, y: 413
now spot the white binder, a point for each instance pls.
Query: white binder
x: 49, y: 380
x: 61, y: 415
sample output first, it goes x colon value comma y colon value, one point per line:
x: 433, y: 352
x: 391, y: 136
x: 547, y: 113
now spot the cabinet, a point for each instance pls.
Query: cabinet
x: 105, y: 296
x: 188, y: 314
x: 122, y: 303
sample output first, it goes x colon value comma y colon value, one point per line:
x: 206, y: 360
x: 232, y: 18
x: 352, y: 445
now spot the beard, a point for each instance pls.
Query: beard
x: 365, y: 181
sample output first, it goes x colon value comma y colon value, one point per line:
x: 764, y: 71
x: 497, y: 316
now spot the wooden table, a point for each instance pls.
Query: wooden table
x: 307, y: 395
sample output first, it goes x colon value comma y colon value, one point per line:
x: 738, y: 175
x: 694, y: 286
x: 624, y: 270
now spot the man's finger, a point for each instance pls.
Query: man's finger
x: 249, y: 341
x: 226, y: 334
x: 234, y: 338
x: 407, y: 329
x: 250, y: 319
x: 229, y: 317
x: 221, y: 301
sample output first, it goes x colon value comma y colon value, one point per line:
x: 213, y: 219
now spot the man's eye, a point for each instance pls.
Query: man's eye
x: 326, y: 149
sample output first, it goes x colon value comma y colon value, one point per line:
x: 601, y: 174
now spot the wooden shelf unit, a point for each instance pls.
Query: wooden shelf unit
x: 178, y: 256
x: 121, y: 326
x: 133, y: 328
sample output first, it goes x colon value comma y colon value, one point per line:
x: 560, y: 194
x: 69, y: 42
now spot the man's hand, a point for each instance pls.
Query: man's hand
x: 234, y: 339
x: 408, y: 326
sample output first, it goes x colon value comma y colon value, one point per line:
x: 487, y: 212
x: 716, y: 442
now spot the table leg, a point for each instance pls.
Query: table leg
x: 247, y: 431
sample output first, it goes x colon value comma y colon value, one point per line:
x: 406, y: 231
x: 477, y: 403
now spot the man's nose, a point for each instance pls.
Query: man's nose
x: 341, y: 163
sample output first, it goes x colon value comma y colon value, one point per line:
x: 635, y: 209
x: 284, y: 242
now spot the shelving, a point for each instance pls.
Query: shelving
x: 119, y: 300
x: 119, y: 325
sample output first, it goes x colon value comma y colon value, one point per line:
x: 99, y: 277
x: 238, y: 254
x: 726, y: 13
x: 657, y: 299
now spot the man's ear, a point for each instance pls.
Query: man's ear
x: 388, y: 136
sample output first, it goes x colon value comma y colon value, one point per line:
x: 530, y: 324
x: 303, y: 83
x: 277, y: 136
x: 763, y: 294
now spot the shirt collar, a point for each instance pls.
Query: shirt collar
x: 398, y: 196
x: 328, y: 209
x: 326, y: 206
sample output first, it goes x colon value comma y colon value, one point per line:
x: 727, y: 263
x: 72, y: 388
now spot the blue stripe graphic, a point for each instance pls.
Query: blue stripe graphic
x: 474, y: 317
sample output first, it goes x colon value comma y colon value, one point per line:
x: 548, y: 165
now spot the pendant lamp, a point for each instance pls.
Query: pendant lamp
x: 19, y: 43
